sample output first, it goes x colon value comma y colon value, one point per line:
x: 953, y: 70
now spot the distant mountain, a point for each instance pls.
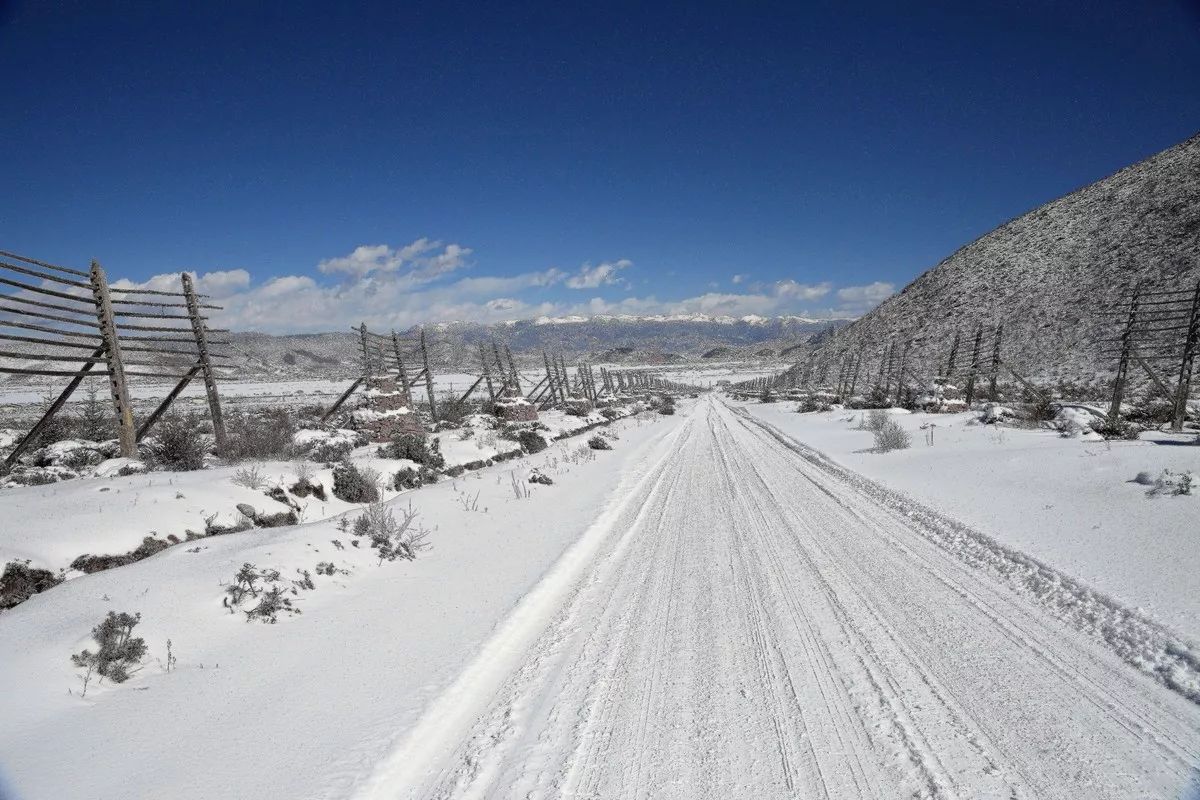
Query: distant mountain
x: 602, y: 339
x: 1048, y: 276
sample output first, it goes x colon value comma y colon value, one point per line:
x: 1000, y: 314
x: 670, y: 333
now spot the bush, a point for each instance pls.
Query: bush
x: 415, y: 448
x: 20, y: 582
x: 531, y: 441
x: 891, y: 437
x: 354, y: 485
x: 260, y: 435
x: 610, y: 414
x: 392, y: 538
x: 809, y: 405
x: 406, y: 478
x: 178, y: 444
x: 875, y: 420
x: 767, y: 396
x: 95, y: 422
x: 330, y: 451
x: 118, y: 649
x: 599, y: 443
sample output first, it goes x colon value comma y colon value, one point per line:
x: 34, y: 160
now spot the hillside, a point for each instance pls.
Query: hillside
x: 1048, y: 275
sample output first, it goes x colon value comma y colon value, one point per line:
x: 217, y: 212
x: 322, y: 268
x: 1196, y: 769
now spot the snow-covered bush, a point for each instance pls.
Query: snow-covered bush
x: 273, y: 602
x: 261, y: 435
x: 415, y: 448
x: 119, y: 650
x: 874, y: 421
x: 330, y: 451
x: 531, y: 441
x: 994, y: 413
x: 810, y: 404
x: 20, y: 582
x: 599, y: 443
x: 609, y: 413
x: 178, y: 444
x: 890, y: 436
x: 666, y: 406
x: 354, y: 485
x: 1171, y: 483
x: 250, y: 477
x: 409, y: 478
x: 392, y: 538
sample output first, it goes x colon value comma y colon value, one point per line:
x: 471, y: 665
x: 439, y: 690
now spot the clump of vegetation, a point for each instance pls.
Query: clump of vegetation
x: 95, y: 422
x: 179, y: 444
x: 273, y: 602
x: 599, y: 443
x: 531, y: 441
x: 767, y: 396
x: 355, y: 485
x: 119, y: 651
x: 890, y: 436
x: 809, y: 405
x: 1171, y: 483
x: 330, y: 451
x: 415, y: 448
x: 21, y: 582
x: 609, y: 413
x: 250, y: 477
x: 390, y: 537
x: 261, y: 435
x: 409, y: 478
x: 666, y: 406
x: 874, y: 421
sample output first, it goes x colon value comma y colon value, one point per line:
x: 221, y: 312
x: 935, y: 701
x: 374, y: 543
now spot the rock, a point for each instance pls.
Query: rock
x: 247, y: 510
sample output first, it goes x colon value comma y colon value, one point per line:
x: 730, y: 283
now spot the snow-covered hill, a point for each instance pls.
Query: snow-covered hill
x: 1048, y: 274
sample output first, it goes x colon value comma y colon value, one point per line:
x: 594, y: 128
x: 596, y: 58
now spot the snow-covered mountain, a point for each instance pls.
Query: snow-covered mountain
x: 649, y: 339
x: 1049, y: 275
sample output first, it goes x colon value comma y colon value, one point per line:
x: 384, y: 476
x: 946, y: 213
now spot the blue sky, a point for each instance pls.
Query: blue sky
x: 316, y: 163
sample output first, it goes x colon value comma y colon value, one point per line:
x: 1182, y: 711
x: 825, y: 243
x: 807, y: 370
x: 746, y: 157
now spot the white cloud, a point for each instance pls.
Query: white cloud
x: 801, y: 291
x: 604, y: 274
x: 400, y: 287
x: 872, y: 293
x: 739, y: 278
x: 421, y: 261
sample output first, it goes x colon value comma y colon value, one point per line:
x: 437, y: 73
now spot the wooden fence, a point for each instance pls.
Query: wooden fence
x: 77, y: 321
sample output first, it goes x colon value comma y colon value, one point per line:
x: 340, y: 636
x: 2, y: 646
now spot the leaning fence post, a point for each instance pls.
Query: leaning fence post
x: 1191, y: 345
x: 1114, y: 408
x: 428, y: 377
x: 995, y: 363
x: 400, y: 367
x: 126, y: 435
x: 206, y: 371
x: 974, y: 365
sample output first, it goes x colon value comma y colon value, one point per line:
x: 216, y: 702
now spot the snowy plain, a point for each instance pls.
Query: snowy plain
x: 1068, y: 501
x: 307, y: 706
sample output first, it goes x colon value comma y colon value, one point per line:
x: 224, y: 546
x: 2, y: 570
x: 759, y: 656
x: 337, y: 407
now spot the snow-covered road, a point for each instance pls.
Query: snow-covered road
x: 748, y: 623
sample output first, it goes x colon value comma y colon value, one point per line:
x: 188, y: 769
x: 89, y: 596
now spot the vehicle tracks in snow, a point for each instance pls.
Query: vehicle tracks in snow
x: 747, y: 621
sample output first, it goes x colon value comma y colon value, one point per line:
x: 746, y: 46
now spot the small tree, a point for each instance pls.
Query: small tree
x: 355, y: 485
x: 178, y: 443
x: 118, y: 649
x: 890, y: 436
x: 531, y: 441
x: 95, y: 418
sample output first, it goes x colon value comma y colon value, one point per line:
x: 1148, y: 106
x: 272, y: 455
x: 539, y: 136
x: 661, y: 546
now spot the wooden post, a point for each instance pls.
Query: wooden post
x: 900, y: 371
x: 512, y: 368
x: 428, y: 377
x: 995, y: 363
x: 126, y: 435
x: 889, y: 367
x: 206, y: 372
x: 487, y: 371
x: 1190, y: 347
x: 400, y: 366
x: 974, y: 365
x: 29, y: 437
x: 1114, y: 408
x: 883, y: 364
x: 562, y: 363
x: 854, y: 377
x: 953, y: 356
x: 148, y: 423
x: 550, y: 377
x: 362, y: 334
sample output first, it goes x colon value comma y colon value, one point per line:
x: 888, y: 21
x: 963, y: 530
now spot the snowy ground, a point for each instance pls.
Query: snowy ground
x: 305, y: 707
x: 713, y: 609
x: 1066, y: 501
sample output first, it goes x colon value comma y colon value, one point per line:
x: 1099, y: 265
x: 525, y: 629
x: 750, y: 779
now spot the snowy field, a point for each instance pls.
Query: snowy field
x: 736, y: 601
x: 1070, y: 502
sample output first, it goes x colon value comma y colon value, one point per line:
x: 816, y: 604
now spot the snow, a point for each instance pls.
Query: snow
x: 305, y: 707
x: 1072, y: 503
x: 712, y: 609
